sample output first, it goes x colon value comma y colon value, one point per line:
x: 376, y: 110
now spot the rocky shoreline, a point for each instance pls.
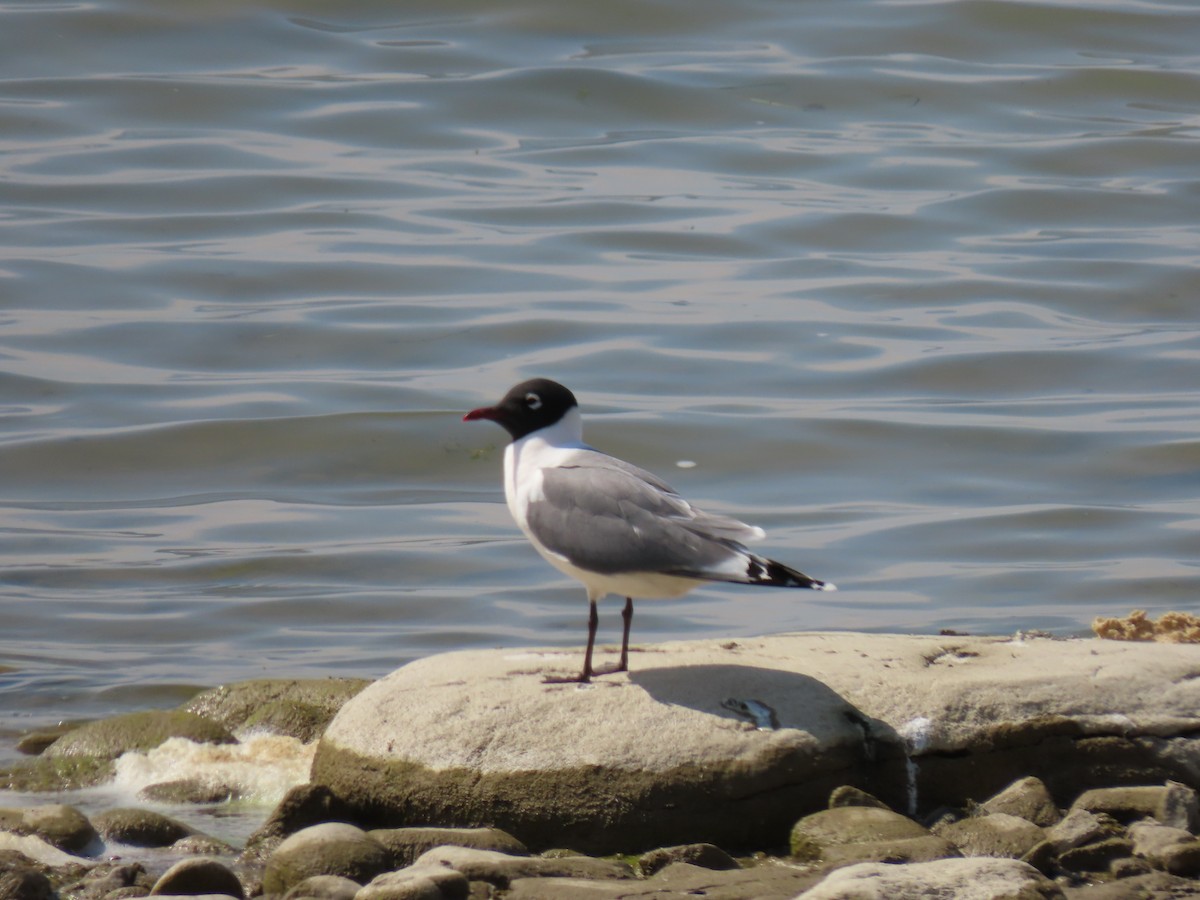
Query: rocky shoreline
x: 457, y: 805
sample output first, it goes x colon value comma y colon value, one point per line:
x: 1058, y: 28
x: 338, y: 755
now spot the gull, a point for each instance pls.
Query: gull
x: 615, y: 528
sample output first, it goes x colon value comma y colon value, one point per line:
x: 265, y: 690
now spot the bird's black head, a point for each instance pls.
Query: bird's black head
x: 529, y: 406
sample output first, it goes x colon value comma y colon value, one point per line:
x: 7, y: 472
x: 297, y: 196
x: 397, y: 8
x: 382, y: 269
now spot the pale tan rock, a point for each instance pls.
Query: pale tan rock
x: 962, y: 879
x: 662, y: 755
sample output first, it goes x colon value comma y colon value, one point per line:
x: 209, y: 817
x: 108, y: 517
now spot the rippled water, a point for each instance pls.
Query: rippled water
x: 913, y: 284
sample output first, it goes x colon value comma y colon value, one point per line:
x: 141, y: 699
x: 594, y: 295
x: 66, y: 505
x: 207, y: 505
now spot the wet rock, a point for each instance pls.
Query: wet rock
x: 61, y: 826
x: 36, y: 742
x: 202, y: 845
x: 852, y: 796
x: 198, y: 876
x: 419, y: 882
x: 1095, y: 857
x: 813, y: 835
x: 406, y: 844
x: 19, y: 882
x: 332, y: 848
x: 1027, y: 798
x: 996, y: 834
x: 324, y: 887
x: 109, y: 738
x: 1079, y: 827
x: 140, y: 827
x: 706, y: 856
x: 438, y: 742
x: 500, y: 869
x: 896, y: 850
x: 301, y: 807
x: 189, y: 790
x: 978, y: 879
x: 1173, y: 804
x: 299, y: 708
x: 46, y: 774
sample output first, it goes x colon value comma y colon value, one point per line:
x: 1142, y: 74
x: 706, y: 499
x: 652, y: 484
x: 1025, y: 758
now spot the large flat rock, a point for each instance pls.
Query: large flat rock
x: 731, y: 741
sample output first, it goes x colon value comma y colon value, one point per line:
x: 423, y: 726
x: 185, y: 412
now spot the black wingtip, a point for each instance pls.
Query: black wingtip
x: 760, y: 570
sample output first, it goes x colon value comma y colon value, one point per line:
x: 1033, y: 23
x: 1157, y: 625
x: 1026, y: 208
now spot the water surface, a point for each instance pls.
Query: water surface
x: 912, y: 284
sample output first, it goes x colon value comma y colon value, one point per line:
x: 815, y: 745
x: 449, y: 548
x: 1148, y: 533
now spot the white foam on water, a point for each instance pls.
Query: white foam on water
x: 261, y: 768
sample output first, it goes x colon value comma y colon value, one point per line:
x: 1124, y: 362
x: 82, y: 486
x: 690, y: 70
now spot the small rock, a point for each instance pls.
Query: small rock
x: 1097, y: 857
x: 420, y: 882
x: 813, y: 834
x: 300, y: 708
x: 109, y: 738
x: 332, y: 848
x: 36, y: 742
x: 1151, y: 840
x: 324, y: 887
x: 61, y: 826
x: 997, y: 834
x: 107, y: 878
x: 190, y: 790
x: 500, y: 869
x: 1171, y: 804
x: 1182, y: 859
x: 979, y: 879
x: 198, y: 876
x: 1042, y: 857
x: 706, y: 856
x: 139, y: 827
x: 1128, y: 867
x: 201, y: 845
x: 407, y: 844
x: 847, y: 795
x: 896, y: 850
x: 1079, y: 827
x: 24, y: 883
x: 301, y: 807
x: 1027, y: 798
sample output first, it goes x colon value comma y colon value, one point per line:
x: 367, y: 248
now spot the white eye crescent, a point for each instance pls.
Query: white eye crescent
x: 533, y: 401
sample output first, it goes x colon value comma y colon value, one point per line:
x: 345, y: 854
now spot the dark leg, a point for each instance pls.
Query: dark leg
x: 627, y: 616
x: 586, y: 675
x: 593, y: 624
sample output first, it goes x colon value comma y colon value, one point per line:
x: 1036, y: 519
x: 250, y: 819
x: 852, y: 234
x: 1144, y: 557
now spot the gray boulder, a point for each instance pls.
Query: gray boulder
x: 476, y: 738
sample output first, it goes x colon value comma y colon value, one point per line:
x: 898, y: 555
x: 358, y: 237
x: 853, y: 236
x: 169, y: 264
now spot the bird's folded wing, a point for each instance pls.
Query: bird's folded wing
x: 611, y: 517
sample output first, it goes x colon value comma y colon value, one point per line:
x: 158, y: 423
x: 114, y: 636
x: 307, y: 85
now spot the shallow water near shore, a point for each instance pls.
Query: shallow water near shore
x: 911, y: 285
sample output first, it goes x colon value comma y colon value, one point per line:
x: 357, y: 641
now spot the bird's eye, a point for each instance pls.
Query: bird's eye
x: 533, y: 401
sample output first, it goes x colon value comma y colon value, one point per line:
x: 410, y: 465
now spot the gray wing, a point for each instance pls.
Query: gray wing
x: 608, y: 516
